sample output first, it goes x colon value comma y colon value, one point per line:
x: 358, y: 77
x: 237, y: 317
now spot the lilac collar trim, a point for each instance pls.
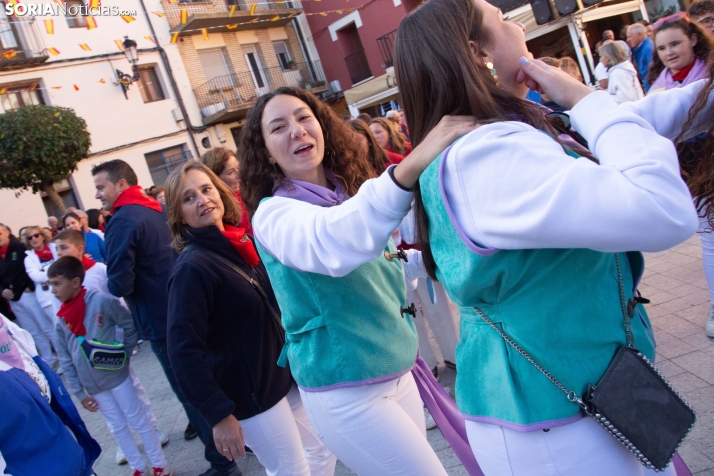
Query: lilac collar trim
x: 543, y: 425
x: 479, y: 250
x: 311, y: 193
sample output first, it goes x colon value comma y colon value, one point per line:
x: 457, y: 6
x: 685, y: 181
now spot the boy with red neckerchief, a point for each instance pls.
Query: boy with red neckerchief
x: 97, y: 371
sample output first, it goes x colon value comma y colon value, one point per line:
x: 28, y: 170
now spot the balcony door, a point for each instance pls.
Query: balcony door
x: 8, y: 38
x: 256, y: 69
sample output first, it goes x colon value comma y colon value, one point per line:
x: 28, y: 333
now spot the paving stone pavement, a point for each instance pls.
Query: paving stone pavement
x: 675, y: 283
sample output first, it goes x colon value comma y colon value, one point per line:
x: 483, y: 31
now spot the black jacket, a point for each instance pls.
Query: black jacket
x: 139, y: 264
x: 223, y: 342
x: 12, y: 271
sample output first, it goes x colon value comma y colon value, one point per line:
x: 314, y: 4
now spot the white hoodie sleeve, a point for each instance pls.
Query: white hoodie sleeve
x: 513, y: 187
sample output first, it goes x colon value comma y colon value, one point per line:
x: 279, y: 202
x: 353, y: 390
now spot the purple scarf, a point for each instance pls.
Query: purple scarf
x: 665, y: 80
x: 440, y: 404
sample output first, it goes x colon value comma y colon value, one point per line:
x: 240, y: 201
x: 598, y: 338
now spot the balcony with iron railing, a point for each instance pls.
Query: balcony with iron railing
x: 358, y: 66
x: 21, y: 44
x: 386, y: 48
x: 230, y: 15
x: 228, y: 98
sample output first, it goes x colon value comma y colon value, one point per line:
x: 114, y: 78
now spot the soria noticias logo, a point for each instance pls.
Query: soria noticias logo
x: 55, y: 9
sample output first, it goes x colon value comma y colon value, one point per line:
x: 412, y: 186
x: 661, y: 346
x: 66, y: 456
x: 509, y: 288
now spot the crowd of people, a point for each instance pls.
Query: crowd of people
x: 276, y: 284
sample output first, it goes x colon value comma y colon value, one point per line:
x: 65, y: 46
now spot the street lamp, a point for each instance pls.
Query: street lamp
x: 132, y: 56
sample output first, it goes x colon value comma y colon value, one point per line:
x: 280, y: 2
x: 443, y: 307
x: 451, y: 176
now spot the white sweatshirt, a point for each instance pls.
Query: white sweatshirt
x: 37, y: 271
x: 623, y: 84
x: 510, y: 187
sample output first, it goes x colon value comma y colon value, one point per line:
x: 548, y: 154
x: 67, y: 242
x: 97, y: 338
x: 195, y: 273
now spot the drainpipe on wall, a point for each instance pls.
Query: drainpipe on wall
x: 165, y: 59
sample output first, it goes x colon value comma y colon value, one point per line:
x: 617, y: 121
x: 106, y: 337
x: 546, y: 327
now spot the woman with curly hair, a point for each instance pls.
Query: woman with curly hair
x: 350, y: 339
x: 376, y: 155
x: 389, y: 138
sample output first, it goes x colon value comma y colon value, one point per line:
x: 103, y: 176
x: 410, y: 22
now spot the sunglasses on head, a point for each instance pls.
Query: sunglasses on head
x: 36, y: 235
x: 671, y: 19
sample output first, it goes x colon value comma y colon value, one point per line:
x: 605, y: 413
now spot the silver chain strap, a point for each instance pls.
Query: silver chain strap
x: 572, y: 396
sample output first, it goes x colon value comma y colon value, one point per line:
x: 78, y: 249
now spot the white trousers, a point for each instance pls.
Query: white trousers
x: 442, y: 318
x: 706, y: 235
x: 375, y: 429
x: 33, y: 319
x: 287, y: 449
x: 142, y: 396
x: 122, y: 409
x: 582, y: 448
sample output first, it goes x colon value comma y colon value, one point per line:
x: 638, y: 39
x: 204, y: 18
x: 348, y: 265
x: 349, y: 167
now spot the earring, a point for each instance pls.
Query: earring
x: 494, y: 73
x: 271, y: 161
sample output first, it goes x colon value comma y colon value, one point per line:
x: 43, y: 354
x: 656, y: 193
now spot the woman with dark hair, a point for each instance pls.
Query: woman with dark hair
x: 376, y: 155
x: 95, y: 219
x: 389, y: 138
x: 224, y: 332
x: 224, y: 163
x: 94, y: 247
x: 682, y: 48
x: 351, y: 344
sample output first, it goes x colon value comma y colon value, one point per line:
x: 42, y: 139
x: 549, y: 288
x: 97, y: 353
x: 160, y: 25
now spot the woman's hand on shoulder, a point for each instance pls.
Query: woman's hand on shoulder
x: 562, y: 88
x: 439, y: 138
x: 228, y: 436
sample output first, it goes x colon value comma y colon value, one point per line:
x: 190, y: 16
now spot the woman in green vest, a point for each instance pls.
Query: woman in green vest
x: 528, y: 239
x: 350, y: 340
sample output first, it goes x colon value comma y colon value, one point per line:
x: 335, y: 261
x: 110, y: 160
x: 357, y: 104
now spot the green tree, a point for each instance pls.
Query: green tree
x: 41, y: 145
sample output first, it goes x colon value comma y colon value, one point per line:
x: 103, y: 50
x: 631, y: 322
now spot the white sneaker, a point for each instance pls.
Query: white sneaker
x: 163, y: 437
x: 430, y: 423
x: 710, y: 323
x: 120, y: 458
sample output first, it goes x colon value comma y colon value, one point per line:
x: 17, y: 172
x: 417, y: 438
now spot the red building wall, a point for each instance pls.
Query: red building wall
x: 379, y: 17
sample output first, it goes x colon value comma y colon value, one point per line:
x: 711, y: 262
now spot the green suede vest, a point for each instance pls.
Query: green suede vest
x: 560, y: 305
x: 344, y: 331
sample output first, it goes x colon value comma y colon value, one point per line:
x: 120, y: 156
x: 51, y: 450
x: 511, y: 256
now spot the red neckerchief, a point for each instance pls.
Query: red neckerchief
x: 72, y: 312
x: 242, y: 244
x: 102, y: 227
x: 394, y: 158
x: 3, y: 251
x: 682, y: 74
x: 136, y: 196
x: 45, y: 255
x: 87, y: 263
x: 245, y: 219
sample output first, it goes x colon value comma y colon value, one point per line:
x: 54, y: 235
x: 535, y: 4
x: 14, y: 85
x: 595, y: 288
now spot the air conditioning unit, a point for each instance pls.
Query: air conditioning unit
x: 335, y: 86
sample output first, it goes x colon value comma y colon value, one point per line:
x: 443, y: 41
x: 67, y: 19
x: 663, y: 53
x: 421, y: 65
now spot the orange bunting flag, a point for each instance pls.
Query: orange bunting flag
x: 324, y: 14
x: 50, y: 27
x: 76, y: 88
x: 85, y: 47
x: 232, y: 27
x: 174, y: 37
x: 3, y: 90
x: 56, y: 87
x: 53, y: 51
x: 338, y: 11
x: 94, y: 4
x: 120, y: 45
x: 350, y: 10
x: 10, y: 54
x: 102, y: 81
x: 205, y: 33
x: 171, y: 2
x: 128, y: 18
x: 60, y: 2
x: 91, y: 22
x: 12, y: 4
x: 233, y: 10
x: 275, y: 18
x: 252, y: 8
x: 184, y: 17
x: 159, y: 14
x: 33, y: 87
x: 150, y: 39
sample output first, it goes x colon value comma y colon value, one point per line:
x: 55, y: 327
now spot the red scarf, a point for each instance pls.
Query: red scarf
x: 87, y: 263
x: 3, y: 251
x: 682, y: 74
x: 45, y: 255
x: 136, y: 196
x: 72, y: 312
x: 242, y: 244
x: 245, y: 219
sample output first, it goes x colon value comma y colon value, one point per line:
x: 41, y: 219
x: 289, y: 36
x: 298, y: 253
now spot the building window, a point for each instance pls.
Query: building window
x: 149, y: 85
x: 162, y: 162
x: 8, y: 41
x: 281, y: 52
x: 66, y: 192
x: 19, y: 96
x: 74, y: 17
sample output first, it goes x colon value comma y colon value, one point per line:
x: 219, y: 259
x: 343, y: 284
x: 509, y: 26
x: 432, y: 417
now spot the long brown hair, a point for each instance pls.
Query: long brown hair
x: 438, y: 75
x: 216, y: 159
x: 172, y: 193
x: 689, y: 28
x: 377, y: 156
x: 343, y: 155
x: 397, y: 141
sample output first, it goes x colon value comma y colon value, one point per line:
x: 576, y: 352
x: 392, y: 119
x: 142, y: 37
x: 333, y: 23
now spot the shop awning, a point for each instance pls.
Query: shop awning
x: 375, y: 91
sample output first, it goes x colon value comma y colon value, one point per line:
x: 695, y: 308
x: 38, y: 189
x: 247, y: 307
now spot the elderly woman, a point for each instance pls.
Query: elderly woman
x: 94, y: 244
x: 224, y: 332
x: 623, y: 84
x: 224, y: 163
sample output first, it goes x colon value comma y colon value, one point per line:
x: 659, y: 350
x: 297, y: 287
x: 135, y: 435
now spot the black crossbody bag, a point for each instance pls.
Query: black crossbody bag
x: 632, y: 401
